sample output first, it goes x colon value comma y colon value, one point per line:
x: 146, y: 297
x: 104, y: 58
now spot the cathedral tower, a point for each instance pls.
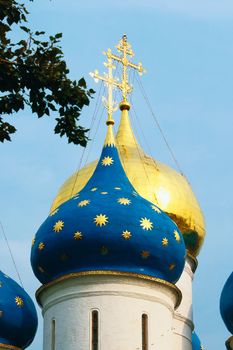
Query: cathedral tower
x: 116, y: 258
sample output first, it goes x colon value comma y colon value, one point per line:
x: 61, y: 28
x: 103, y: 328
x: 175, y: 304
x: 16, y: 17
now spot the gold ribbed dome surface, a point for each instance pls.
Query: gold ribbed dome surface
x: 153, y: 180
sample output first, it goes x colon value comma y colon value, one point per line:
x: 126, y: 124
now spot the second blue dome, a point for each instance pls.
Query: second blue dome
x: 196, y: 343
x: 226, y: 303
x: 18, y: 317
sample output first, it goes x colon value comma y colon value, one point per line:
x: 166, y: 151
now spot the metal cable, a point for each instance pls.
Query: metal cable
x: 139, y: 153
x: 142, y: 132
x: 158, y: 125
x: 95, y: 113
x: 101, y: 116
x: 96, y: 131
x: 11, y: 254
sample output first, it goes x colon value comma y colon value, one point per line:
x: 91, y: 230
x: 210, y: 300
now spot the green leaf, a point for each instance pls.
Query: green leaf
x: 82, y: 83
x: 38, y: 78
x: 39, y: 33
x: 25, y: 29
x: 58, y: 35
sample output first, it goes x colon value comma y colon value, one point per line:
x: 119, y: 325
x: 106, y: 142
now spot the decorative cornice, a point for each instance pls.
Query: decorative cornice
x: 6, y: 346
x: 194, y: 261
x: 183, y: 336
x: 77, y: 295
x: 111, y: 273
x: 183, y: 319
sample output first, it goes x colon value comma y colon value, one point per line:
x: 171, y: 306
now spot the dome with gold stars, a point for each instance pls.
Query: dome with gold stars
x: 18, y: 317
x: 109, y: 227
x: 153, y: 180
x: 226, y: 303
x: 196, y: 343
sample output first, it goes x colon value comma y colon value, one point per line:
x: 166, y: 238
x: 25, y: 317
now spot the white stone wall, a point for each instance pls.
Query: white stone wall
x: 121, y: 301
x: 183, y: 317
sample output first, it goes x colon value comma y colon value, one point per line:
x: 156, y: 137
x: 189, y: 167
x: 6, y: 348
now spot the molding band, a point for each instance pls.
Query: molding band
x: 106, y: 293
x: 229, y: 343
x: 80, y: 274
x: 6, y: 346
x: 183, y: 319
x: 194, y: 261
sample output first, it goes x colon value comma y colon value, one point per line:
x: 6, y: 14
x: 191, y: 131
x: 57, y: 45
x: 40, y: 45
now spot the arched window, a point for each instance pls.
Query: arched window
x: 94, y: 330
x: 144, y: 332
x: 53, y: 334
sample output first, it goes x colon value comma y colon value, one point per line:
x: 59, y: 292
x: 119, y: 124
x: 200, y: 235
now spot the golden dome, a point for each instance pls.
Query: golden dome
x: 154, y: 181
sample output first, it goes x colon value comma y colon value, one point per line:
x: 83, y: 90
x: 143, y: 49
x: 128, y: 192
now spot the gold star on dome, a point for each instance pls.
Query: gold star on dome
x: 33, y: 241
x: 165, y: 242
x: 54, y: 212
x: 19, y: 301
x: 103, y: 192
x: 117, y: 188
x: 145, y: 254
x: 146, y: 224
x: 126, y: 234
x: 107, y: 161
x: 104, y: 250
x: 41, y: 269
x: 41, y: 246
x: 172, y: 266
x: 177, y: 236
x: 84, y: 203
x: 58, y: 226
x: 94, y: 189
x: 64, y: 257
x: 78, y: 235
x: 124, y: 201
x: 101, y: 220
x: 156, y: 209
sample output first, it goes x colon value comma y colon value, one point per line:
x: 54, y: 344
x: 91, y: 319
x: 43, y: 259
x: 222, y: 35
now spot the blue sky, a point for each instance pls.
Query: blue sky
x: 186, y: 48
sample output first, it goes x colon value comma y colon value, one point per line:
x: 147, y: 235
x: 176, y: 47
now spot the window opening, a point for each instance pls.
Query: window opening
x: 144, y: 332
x: 53, y: 335
x: 95, y: 330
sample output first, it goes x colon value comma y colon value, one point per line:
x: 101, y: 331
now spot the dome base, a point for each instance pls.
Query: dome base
x: 7, y: 347
x: 104, y: 273
x: 120, y: 302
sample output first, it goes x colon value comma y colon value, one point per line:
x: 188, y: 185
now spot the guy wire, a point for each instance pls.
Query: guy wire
x: 11, y: 254
x: 158, y: 125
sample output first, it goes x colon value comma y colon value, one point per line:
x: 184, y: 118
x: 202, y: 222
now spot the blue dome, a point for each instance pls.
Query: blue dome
x: 196, y: 343
x: 108, y: 226
x: 18, y: 317
x: 226, y: 303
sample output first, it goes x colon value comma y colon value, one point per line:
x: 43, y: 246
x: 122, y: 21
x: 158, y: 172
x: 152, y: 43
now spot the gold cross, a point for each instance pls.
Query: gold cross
x: 125, y: 48
x: 109, y: 103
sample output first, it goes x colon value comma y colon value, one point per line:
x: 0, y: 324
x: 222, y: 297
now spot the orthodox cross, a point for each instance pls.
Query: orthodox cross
x: 109, y: 103
x: 126, y: 51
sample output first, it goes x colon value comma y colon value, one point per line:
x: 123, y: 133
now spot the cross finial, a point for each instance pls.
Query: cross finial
x: 108, y: 102
x: 125, y: 50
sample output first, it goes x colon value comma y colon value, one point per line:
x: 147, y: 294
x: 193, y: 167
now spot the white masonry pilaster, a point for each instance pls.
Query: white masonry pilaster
x: 183, y: 317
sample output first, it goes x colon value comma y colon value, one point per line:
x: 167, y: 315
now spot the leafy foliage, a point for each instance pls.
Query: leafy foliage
x: 33, y: 72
